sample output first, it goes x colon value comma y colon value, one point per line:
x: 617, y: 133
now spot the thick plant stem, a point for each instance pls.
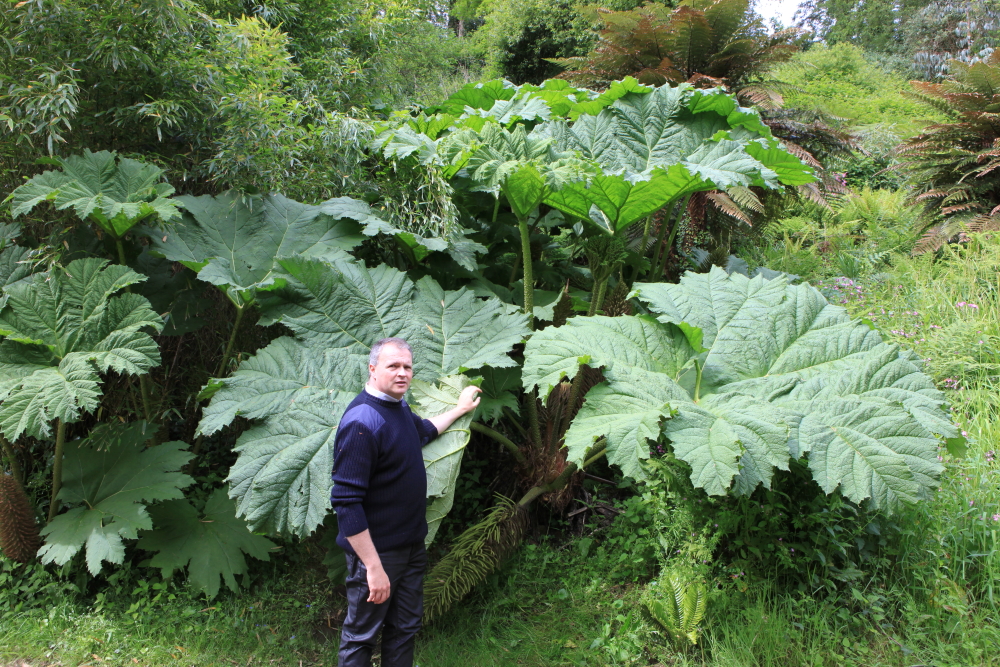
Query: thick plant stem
x: 15, y: 467
x: 229, y: 345
x: 564, y: 477
x: 673, y: 235
x: 514, y: 420
x: 603, y: 293
x: 121, y: 252
x: 574, y: 396
x: 502, y: 439
x: 697, y: 383
x: 556, y: 484
x: 529, y: 278
x: 147, y: 400
x: 664, y: 224
x: 533, y: 424
x: 595, y: 294
x: 599, y: 450
x: 57, y: 468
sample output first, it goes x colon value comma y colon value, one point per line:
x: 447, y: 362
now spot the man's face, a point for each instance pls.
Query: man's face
x: 393, y: 372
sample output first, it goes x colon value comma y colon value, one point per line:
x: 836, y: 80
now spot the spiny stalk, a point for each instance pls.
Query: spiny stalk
x: 18, y: 528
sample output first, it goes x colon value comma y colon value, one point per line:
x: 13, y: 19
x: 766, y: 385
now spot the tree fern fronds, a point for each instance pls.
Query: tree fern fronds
x: 983, y: 223
x: 18, y: 529
x: 474, y: 555
x: 746, y: 198
x: 722, y: 202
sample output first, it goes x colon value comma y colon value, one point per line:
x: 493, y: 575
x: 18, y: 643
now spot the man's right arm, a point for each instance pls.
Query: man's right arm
x: 378, y: 581
x: 352, y: 465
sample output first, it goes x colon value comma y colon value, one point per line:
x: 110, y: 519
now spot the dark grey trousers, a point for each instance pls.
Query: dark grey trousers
x: 398, y: 617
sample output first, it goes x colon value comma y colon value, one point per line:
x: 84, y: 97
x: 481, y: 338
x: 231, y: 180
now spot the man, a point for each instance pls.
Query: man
x: 380, y: 494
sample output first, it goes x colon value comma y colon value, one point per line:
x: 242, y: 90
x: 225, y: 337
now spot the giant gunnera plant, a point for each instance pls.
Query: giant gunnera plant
x: 740, y: 376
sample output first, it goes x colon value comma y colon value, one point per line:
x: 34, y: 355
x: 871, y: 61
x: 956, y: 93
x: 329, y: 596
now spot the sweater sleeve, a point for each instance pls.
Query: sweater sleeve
x: 353, y: 462
x: 425, y: 429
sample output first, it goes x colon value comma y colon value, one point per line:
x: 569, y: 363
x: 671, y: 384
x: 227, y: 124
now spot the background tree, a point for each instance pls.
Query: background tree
x: 919, y: 37
x: 704, y: 42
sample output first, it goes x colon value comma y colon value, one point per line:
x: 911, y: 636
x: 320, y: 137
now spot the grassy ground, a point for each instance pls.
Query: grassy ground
x: 931, y: 599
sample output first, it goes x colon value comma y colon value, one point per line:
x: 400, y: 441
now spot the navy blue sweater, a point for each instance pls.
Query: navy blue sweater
x: 379, y: 482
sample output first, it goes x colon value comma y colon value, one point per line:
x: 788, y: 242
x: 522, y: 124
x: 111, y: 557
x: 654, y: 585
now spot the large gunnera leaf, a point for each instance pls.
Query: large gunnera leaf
x: 211, y: 544
x: 655, y: 147
x: 296, y: 390
x: 346, y: 305
x: 114, y: 192
x: 109, y: 478
x: 61, y: 330
x: 232, y: 240
x: 443, y: 455
x: 707, y: 131
x: 741, y: 375
x: 16, y: 264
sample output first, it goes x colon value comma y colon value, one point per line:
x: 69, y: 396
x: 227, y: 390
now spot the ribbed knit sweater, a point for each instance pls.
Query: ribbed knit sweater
x: 379, y: 482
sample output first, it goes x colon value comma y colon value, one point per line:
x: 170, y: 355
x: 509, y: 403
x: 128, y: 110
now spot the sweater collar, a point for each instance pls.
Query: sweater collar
x: 372, y: 391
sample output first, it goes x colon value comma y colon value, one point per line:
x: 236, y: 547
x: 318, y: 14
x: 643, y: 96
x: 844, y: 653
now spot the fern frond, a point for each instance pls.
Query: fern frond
x: 746, y: 198
x: 682, y: 610
x: 724, y: 203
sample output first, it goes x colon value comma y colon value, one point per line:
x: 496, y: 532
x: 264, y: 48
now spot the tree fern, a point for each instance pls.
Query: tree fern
x: 954, y: 161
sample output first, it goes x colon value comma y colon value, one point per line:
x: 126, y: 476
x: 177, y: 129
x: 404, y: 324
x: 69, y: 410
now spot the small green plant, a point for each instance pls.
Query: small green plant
x: 679, y: 605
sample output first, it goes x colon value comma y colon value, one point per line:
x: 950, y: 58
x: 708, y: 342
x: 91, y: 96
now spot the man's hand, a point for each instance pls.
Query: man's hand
x: 468, y: 400
x: 378, y: 581
x: 378, y: 585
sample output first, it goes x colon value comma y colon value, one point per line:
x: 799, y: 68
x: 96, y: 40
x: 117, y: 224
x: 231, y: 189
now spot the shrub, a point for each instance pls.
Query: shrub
x: 843, y: 82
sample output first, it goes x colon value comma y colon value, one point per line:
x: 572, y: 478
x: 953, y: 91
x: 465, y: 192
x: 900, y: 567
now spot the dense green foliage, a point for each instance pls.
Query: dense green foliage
x: 920, y: 37
x: 682, y: 456
x: 61, y: 330
x: 841, y: 81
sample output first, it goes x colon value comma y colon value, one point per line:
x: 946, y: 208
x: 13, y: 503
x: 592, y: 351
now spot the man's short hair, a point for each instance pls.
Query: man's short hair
x: 377, y: 348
